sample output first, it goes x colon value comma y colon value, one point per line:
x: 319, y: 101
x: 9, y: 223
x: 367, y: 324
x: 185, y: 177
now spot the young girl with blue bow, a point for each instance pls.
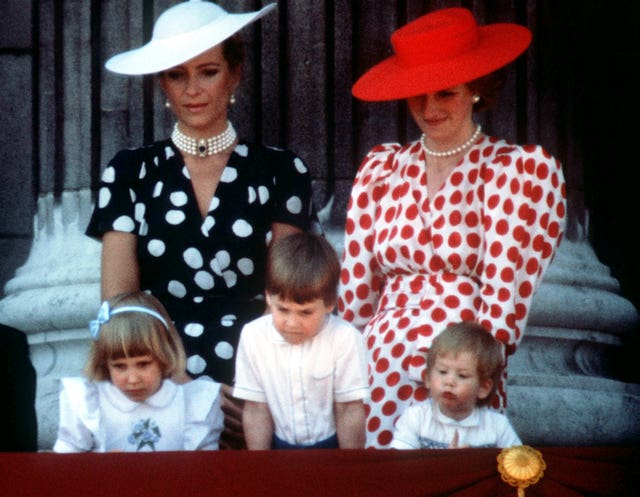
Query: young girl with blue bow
x: 130, y: 400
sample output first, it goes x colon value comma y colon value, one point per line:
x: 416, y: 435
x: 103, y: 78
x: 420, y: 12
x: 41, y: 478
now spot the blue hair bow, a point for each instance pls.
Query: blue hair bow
x: 105, y: 312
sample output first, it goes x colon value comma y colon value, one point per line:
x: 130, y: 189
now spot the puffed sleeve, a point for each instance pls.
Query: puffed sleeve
x: 524, y: 219
x: 361, y: 280
x: 79, y: 416
x: 203, y: 414
x: 292, y: 192
x: 115, y: 204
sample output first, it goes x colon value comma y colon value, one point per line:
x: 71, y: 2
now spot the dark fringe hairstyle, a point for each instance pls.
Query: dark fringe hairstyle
x: 303, y: 267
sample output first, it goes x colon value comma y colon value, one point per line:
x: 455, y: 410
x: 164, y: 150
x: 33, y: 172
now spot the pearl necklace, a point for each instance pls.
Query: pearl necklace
x: 202, y: 147
x: 453, y: 151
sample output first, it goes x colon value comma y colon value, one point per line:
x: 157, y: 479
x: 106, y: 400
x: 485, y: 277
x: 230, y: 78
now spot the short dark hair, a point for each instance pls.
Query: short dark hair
x: 488, y: 88
x: 469, y: 336
x: 303, y: 267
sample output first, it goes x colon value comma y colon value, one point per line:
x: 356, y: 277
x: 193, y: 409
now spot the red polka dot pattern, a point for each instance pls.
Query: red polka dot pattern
x: 416, y: 260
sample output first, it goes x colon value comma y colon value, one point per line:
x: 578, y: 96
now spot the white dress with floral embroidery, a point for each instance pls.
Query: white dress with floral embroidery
x: 97, y: 417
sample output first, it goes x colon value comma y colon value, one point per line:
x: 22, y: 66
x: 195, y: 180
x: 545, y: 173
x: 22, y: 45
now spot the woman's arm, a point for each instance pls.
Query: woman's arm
x: 120, y: 270
x: 350, y: 424
x: 361, y: 278
x: 258, y: 425
x: 524, y: 212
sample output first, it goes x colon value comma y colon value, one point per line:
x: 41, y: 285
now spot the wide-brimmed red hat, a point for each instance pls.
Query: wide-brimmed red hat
x: 439, y: 50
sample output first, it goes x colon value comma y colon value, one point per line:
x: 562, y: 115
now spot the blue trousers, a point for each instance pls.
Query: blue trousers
x: 329, y: 443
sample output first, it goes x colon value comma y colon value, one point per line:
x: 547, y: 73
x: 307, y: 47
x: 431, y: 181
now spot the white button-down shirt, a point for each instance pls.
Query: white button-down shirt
x: 301, y: 382
x: 423, y: 426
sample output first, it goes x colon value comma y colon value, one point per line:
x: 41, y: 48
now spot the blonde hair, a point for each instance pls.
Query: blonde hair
x: 469, y: 336
x: 303, y: 267
x: 131, y: 333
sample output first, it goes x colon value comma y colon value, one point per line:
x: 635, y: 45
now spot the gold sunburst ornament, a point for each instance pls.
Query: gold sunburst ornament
x: 521, y: 466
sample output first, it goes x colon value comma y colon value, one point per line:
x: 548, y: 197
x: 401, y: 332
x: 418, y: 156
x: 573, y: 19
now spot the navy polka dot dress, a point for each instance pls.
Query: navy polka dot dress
x: 208, y: 272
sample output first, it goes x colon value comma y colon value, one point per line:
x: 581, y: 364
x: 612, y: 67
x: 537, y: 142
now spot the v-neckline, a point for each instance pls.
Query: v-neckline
x: 214, y: 194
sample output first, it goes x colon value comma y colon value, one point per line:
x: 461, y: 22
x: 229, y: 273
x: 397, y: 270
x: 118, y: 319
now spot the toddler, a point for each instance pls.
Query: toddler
x: 301, y: 369
x: 128, y: 401
x: 464, y: 365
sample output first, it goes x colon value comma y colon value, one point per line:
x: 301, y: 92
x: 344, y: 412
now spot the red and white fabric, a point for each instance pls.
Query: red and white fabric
x: 415, y: 260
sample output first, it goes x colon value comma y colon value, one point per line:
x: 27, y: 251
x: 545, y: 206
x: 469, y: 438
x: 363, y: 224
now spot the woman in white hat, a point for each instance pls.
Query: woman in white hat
x: 455, y: 225
x: 189, y: 218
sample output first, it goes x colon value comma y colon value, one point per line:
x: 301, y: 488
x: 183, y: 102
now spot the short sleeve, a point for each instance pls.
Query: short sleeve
x: 203, y: 414
x: 248, y: 383
x: 506, y: 436
x: 114, y: 209
x: 292, y: 192
x: 407, y: 430
x: 79, y: 416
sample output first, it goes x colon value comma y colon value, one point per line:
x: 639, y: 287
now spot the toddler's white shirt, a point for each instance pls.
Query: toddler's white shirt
x: 423, y: 426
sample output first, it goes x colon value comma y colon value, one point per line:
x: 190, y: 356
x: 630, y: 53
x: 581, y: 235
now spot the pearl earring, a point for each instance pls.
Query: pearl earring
x: 167, y: 104
x: 232, y: 99
x: 475, y: 99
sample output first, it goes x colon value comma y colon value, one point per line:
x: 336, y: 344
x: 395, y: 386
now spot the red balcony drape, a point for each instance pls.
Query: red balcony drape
x: 570, y: 472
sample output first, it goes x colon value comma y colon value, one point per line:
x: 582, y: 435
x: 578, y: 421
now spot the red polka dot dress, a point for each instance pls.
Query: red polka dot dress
x: 415, y: 260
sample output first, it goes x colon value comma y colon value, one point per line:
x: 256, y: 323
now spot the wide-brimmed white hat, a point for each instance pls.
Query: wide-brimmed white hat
x: 180, y: 33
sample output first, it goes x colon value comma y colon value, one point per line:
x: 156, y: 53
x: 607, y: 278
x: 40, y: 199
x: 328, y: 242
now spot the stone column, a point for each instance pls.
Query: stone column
x: 561, y: 390
x: 53, y: 296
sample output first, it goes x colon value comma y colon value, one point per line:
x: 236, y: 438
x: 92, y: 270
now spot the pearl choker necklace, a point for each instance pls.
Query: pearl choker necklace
x: 453, y: 151
x: 202, y: 147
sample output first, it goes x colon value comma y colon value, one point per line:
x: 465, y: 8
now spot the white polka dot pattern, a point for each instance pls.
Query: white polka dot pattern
x: 193, y: 329
x: 208, y: 270
x: 242, y: 228
x: 124, y: 223
x: 177, y: 289
x: 245, y: 266
x: 178, y: 198
x: 157, y: 190
x: 193, y: 258
x: 224, y: 350
x: 204, y: 280
x: 156, y: 247
x: 294, y: 205
x: 229, y: 175
x: 104, y: 197
x: 196, y: 364
x: 474, y: 250
x: 109, y: 175
x: 175, y: 217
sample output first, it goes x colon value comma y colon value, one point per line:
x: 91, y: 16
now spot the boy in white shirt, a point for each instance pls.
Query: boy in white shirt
x: 464, y: 365
x: 301, y: 370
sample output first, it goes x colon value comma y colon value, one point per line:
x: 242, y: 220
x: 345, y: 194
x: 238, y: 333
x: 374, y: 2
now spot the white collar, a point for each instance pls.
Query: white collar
x: 163, y: 397
x: 472, y: 419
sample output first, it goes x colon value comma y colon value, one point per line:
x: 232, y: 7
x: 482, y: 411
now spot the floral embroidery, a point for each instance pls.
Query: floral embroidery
x: 145, y: 432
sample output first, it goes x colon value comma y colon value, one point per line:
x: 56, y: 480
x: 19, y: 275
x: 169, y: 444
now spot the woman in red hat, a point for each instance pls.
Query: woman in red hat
x: 189, y: 218
x: 456, y: 225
